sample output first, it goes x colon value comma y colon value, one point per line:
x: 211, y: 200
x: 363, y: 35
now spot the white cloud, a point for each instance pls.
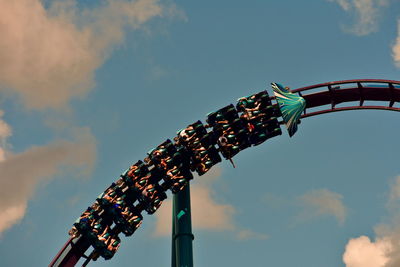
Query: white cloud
x: 207, y: 213
x: 367, y: 14
x: 322, y: 202
x: 385, y: 250
x: 48, y: 56
x: 361, y: 252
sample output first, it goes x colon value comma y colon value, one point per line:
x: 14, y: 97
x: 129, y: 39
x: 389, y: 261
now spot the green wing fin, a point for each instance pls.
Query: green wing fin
x: 291, y: 106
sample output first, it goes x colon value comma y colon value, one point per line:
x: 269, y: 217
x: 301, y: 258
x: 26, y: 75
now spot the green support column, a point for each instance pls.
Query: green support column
x: 173, y: 251
x: 182, y: 236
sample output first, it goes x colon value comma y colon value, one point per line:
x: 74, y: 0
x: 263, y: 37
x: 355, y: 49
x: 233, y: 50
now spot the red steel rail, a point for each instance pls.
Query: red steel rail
x: 331, y: 94
x: 72, y: 251
x: 335, y: 93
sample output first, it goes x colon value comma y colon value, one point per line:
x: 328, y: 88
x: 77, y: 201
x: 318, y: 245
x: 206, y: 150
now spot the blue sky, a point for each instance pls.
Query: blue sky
x: 88, y: 87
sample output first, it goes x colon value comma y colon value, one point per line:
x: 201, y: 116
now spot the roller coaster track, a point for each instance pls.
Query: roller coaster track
x: 320, y: 99
x: 335, y: 93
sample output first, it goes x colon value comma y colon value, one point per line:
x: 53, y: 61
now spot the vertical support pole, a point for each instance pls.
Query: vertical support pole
x: 182, y: 236
x: 173, y: 250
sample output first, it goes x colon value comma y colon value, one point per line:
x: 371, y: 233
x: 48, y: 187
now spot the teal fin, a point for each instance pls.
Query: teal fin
x: 291, y: 107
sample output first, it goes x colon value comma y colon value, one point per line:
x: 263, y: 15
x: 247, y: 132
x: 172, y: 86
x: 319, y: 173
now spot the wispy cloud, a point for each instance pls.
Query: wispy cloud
x: 390, y: 233
x: 12, y: 215
x: 322, y: 202
x: 5, y: 132
x: 21, y: 173
x: 366, y: 12
x: 396, y: 47
x: 274, y: 201
x: 394, y: 193
x: 247, y: 234
x: 207, y: 213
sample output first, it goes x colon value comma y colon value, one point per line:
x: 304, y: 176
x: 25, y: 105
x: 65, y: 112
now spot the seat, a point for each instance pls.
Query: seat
x: 260, y: 116
x: 152, y: 197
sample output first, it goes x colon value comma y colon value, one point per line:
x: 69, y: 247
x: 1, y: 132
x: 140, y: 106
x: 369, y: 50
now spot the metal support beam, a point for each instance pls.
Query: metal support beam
x: 182, y: 236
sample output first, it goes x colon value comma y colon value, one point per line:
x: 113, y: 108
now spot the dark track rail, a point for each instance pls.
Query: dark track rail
x: 325, y: 96
x: 71, y: 253
x: 335, y: 93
